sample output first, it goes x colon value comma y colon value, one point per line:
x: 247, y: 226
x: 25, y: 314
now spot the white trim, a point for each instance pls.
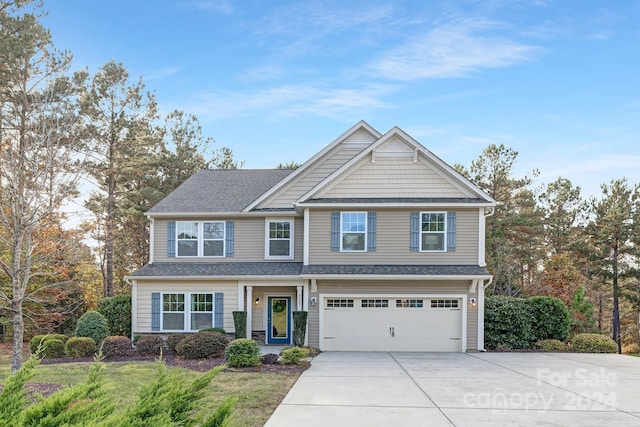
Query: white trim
x: 187, y: 309
x: 481, y: 317
x: 305, y: 307
x: 240, y: 295
x: 226, y: 278
x: 482, y: 233
x: 365, y: 231
x: 422, y: 277
x: 249, y: 325
x: 306, y: 238
x: 134, y: 307
x: 361, y: 125
x: 217, y: 215
x: 323, y: 296
x: 392, y: 205
x: 444, y: 233
x: 267, y: 238
x: 200, y: 240
x: 152, y: 240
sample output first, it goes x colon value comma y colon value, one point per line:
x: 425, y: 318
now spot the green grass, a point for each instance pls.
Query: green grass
x: 259, y: 393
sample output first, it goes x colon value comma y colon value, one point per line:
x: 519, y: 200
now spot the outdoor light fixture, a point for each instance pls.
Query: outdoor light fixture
x: 472, y: 301
x: 257, y: 300
x: 314, y: 300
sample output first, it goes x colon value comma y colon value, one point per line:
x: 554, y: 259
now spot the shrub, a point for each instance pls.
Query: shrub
x: 550, y: 318
x: 80, y: 347
x: 93, y: 325
x: 293, y: 355
x: 219, y: 330
x: 202, y: 345
x: 593, y: 343
x: 115, y: 346
x: 52, y: 348
x: 551, y: 345
x: 507, y: 323
x: 242, y: 352
x: 38, y: 339
x: 173, y: 340
x: 240, y: 323
x: 299, y: 327
x: 149, y: 345
x: 631, y: 349
x: 117, y: 310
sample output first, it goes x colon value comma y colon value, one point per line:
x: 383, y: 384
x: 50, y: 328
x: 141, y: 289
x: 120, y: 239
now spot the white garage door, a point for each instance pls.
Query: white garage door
x: 392, y: 324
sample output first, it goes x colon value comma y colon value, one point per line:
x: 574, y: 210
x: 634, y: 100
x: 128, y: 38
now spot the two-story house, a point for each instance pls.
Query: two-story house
x: 375, y: 236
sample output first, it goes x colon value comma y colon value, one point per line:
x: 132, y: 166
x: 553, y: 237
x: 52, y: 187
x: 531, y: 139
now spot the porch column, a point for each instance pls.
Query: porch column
x: 305, y: 307
x: 249, y: 310
x: 240, y: 296
x: 481, y: 315
x: 299, y: 298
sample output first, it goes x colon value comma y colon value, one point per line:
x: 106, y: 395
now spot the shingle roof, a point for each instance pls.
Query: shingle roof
x: 397, y: 200
x: 202, y: 269
x: 381, y: 270
x: 190, y: 269
x: 220, y: 190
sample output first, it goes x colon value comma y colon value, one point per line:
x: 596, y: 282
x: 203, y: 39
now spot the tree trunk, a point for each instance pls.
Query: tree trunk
x: 616, y: 311
x: 18, y: 336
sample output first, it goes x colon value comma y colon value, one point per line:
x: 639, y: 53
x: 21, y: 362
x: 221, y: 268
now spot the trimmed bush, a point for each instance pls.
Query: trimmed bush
x: 550, y: 318
x: 173, y: 340
x: 242, y: 353
x: 117, y: 310
x: 293, y: 355
x: 115, y: 346
x: 240, y: 323
x: 202, y: 345
x: 80, y: 347
x: 299, y: 327
x: 551, y: 345
x: 93, y: 325
x: 37, y: 340
x: 507, y: 323
x: 149, y: 345
x: 220, y: 330
x: 593, y: 343
x: 52, y: 348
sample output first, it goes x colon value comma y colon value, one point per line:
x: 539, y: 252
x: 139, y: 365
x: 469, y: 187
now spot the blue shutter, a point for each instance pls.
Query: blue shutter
x: 229, y: 239
x: 414, y: 233
x: 218, y: 310
x: 335, y: 231
x: 451, y: 231
x: 171, y: 239
x: 371, y: 231
x: 155, y: 311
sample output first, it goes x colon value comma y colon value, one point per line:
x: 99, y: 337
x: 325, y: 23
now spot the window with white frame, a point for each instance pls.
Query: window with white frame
x: 200, y: 238
x: 433, y: 230
x: 353, y: 231
x: 178, y: 315
x: 279, y: 239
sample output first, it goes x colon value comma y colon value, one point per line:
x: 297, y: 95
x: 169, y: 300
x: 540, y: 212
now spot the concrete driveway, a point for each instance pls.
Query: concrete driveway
x: 464, y: 389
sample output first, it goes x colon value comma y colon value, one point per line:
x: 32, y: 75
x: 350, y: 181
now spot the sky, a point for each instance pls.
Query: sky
x: 276, y: 81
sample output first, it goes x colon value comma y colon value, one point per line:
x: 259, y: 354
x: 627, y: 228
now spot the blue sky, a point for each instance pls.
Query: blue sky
x: 558, y: 81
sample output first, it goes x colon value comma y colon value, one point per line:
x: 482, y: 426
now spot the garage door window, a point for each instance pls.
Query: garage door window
x: 409, y: 303
x: 444, y: 303
x: 339, y: 303
x: 375, y: 303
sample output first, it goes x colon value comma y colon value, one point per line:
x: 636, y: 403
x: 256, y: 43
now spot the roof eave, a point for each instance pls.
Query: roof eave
x: 230, y: 277
x: 447, y: 277
x: 396, y: 205
x: 218, y: 214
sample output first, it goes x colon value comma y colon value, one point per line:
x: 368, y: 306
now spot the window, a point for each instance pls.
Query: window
x: 444, y: 303
x: 339, y: 303
x: 173, y: 312
x: 433, y: 231
x: 375, y: 303
x: 200, y: 239
x: 194, y: 316
x: 279, y: 239
x: 409, y: 303
x: 353, y: 230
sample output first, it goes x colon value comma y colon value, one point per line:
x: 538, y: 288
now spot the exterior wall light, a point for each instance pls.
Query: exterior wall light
x: 473, y: 302
x: 314, y: 300
x: 257, y: 300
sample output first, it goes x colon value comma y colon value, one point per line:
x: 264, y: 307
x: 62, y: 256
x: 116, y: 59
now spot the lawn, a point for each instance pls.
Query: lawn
x: 258, y: 393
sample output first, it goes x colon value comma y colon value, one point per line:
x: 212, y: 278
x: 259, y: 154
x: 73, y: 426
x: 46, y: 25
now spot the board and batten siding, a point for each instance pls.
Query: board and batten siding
x: 392, y: 241
x: 391, y: 288
x: 146, y: 288
x: 393, y: 177
x: 249, y: 240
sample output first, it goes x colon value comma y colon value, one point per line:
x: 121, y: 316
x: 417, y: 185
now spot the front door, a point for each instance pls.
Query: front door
x: 278, y: 320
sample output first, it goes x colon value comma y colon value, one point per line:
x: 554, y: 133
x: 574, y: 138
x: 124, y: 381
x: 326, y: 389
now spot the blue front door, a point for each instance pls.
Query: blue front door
x: 279, y: 320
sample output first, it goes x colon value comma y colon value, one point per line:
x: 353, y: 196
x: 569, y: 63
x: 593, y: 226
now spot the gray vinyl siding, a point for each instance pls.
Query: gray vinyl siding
x: 392, y: 241
x: 249, y: 241
x: 325, y: 166
x: 337, y: 287
x: 146, y: 288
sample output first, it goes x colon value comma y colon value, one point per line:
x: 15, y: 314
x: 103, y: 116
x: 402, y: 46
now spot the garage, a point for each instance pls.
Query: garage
x: 383, y: 323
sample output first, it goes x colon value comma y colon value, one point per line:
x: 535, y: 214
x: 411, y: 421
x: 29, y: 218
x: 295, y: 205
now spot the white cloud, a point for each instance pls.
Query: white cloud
x: 451, y: 50
x: 223, y: 7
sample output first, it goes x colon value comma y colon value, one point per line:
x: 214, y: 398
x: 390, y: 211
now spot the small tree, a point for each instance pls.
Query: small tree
x: 299, y: 327
x: 93, y: 325
x: 240, y: 323
x: 117, y: 310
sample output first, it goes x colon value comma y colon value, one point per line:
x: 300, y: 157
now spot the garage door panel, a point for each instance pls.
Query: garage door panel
x: 396, y: 327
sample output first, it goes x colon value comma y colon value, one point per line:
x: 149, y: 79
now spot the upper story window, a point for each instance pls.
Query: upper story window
x: 200, y: 239
x: 279, y: 239
x: 353, y: 231
x: 433, y: 229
